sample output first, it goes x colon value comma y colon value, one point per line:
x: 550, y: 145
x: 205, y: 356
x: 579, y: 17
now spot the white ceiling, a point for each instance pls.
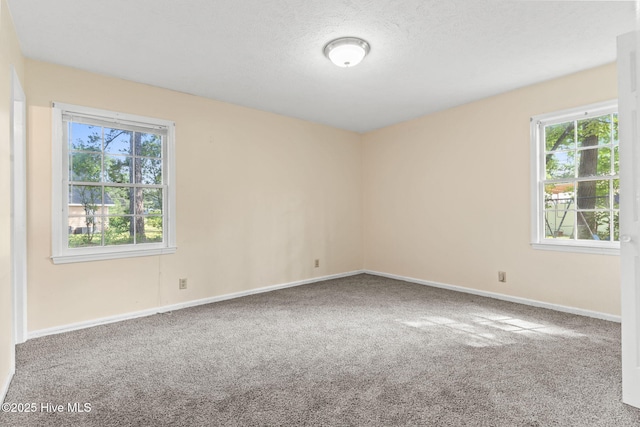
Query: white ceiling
x: 426, y: 55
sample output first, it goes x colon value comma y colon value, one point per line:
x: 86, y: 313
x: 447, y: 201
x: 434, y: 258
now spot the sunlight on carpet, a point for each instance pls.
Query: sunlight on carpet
x: 485, y: 330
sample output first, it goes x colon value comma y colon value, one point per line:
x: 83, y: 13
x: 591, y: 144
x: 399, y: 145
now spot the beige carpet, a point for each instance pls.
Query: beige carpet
x: 363, y: 350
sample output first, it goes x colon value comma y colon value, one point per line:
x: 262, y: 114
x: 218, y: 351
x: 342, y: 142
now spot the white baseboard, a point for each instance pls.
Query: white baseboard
x: 503, y: 297
x: 178, y: 306
x: 167, y: 308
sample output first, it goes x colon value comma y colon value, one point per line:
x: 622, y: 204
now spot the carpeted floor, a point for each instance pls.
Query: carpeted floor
x: 362, y: 350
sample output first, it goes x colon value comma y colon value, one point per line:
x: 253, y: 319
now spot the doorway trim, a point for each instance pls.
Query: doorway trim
x: 18, y: 208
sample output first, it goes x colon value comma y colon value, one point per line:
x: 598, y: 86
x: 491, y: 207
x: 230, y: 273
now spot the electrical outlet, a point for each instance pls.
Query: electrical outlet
x: 502, y: 276
x: 183, y: 283
x: 317, y: 263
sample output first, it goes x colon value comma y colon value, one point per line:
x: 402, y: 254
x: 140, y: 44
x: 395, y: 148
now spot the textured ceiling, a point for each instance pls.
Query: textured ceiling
x: 426, y: 55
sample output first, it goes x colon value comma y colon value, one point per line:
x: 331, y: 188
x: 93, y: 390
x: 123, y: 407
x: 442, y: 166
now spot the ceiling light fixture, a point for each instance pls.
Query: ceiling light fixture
x: 346, y: 51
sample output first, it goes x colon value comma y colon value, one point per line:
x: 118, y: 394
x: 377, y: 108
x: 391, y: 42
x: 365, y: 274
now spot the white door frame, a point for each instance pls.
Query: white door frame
x: 629, y: 114
x: 18, y: 208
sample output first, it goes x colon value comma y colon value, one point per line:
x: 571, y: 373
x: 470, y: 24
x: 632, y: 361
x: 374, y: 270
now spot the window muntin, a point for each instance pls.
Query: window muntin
x: 577, y: 177
x: 116, y: 192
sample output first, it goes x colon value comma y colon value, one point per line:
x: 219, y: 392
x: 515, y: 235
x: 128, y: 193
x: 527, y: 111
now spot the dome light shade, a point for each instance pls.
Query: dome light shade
x: 347, y: 51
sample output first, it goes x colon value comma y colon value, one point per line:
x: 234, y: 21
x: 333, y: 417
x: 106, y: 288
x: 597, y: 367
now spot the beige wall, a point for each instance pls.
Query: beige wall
x: 443, y: 198
x: 9, y: 56
x: 447, y: 199
x: 259, y: 197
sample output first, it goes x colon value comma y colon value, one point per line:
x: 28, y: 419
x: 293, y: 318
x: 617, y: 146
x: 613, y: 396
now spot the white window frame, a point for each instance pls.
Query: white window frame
x: 61, y: 253
x: 538, y: 174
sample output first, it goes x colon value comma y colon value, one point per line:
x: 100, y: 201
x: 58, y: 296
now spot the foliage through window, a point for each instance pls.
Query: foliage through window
x: 577, y: 188
x: 115, y: 182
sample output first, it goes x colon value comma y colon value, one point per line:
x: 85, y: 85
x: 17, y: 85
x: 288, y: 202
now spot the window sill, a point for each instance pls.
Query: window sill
x: 86, y: 257
x: 614, y: 249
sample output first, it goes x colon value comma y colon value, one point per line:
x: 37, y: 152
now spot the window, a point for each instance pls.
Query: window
x: 113, y: 185
x: 576, y: 182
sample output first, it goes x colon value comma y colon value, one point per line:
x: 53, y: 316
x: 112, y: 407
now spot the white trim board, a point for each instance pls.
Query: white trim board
x: 503, y: 297
x: 7, y: 383
x: 164, y: 309
x: 178, y: 306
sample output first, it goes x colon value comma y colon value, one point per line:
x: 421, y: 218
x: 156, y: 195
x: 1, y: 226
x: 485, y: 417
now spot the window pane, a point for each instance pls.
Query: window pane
x: 148, y: 201
x: 85, y: 137
x: 603, y: 226
x: 593, y: 194
x: 137, y: 200
x: 85, y: 167
x: 587, y: 226
x: 594, y: 225
x: 595, y: 161
x: 138, y: 229
x: 616, y: 194
x: 85, y: 231
x: 89, y: 197
x: 560, y: 165
x: 594, y: 131
x: 117, y: 200
x: 153, y: 228
x: 559, y: 196
x: 559, y: 224
x: 118, y: 231
x: 616, y: 160
x: 150, y: 171
x: 560, y: 136
x: 616, y: 226
x: 117, y: 141
x: 150, y: 145
x: 117, y: 169
x: 603, y: 194
x: 152, y: 200
x: 615, y: 129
